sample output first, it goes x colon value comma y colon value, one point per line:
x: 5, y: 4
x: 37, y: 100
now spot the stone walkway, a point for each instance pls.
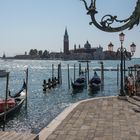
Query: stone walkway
x: 99, y: 119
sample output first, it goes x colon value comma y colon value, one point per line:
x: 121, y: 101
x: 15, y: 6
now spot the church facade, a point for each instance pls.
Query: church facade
x: 81, y: 53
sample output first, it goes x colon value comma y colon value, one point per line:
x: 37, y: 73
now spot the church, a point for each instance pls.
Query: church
x: 81, y: 53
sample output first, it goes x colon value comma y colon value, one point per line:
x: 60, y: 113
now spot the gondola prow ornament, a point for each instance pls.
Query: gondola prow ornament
x: 107, y: 21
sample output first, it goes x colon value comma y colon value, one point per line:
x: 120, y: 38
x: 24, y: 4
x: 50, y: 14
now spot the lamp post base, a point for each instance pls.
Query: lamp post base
x: 122, y: 97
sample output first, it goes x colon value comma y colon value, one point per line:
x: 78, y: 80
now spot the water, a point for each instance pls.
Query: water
x: 43, y: 107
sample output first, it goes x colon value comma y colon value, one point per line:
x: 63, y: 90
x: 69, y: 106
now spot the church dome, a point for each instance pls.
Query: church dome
x: 87, y: 45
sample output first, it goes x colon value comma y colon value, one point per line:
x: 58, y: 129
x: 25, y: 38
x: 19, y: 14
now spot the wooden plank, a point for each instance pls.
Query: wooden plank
x: 32, y: 137
x: 9, y: 135
x: 12, y: 135
x: 16, y: 137
x: 4, y: 135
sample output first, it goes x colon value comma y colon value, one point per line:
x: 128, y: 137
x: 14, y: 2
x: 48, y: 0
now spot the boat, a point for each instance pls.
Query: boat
x: 79, y: 83
x: 95, y: 82
x: 3, y: 73
x: 21, y: 93
x: 14, y: 103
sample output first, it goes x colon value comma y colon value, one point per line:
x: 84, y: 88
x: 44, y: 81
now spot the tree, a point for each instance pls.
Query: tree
x: 45, y: 54
x: 33, y: 52
x: 40, y: 52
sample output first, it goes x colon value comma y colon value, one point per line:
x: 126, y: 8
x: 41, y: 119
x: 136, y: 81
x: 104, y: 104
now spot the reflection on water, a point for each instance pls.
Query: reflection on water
x: 43, y: 107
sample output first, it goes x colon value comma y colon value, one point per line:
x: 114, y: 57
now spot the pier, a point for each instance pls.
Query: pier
x: 105, y: 118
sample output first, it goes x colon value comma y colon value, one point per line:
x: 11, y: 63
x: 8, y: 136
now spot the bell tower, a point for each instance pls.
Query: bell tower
x: 66, y: 42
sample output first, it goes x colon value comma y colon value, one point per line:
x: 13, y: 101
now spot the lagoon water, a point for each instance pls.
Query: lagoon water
x: 44, y: 107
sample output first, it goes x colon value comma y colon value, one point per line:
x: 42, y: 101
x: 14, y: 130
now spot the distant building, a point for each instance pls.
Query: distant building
x: 110, y: 54
x: 87, y: 52
x: 66, y: 42
x: 86, y: 49
x: 99, y: 54
x: 80, y: 53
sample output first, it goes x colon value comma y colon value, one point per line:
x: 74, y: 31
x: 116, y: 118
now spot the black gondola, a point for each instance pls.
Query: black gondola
x: 21, y: 93
x: 95, y: 82
x: 14, y: 103
x: 79, y: 83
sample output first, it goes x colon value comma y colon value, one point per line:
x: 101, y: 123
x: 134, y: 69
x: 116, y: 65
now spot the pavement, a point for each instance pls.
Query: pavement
x: 105, y: 118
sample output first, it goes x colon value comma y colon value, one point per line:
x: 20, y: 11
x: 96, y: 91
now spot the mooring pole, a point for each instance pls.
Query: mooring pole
x: 60, y: 74
x: 102, y: 73
x: 88, y: 71
x: 52, y: 71
x: 26, y: 85
x: 74, y: 72
x: 6, y: 96
x: 68, y: 77
x: 79, y: 69
x: 118, y: 74
x: 135, y: 75
x: 86, y: 76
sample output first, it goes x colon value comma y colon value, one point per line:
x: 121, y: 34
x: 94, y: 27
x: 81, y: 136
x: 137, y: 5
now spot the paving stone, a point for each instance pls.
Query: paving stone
x: 101, y: 119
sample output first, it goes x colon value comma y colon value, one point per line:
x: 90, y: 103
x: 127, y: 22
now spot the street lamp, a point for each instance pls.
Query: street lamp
x: 132, y: 48
x: 124, y: 54
x: 121, y: 37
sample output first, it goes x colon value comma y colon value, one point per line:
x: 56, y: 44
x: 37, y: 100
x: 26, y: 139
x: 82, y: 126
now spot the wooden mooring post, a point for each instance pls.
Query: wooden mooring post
x: 27, y: 72
x: 52, y: 71
x: 102, y: 73
x: 6, y: 96
x: 68, y: 77
x: 59, y: 74
x: 79, y: 69
x: 74, y: 73
x: 87, y: 72
x: 52, y: 82
x: 118, y: 69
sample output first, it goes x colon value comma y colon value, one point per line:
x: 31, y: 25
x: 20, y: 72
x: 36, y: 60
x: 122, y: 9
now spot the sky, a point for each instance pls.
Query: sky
x: 40, y: 24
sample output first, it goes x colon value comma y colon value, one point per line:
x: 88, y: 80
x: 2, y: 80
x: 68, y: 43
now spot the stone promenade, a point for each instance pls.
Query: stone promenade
x: 106, y: 118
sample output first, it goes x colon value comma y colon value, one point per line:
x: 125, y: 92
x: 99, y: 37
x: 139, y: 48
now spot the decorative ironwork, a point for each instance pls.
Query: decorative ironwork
x: 107, y: 21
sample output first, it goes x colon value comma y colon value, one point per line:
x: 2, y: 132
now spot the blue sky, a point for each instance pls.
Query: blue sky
x: 40, y: 24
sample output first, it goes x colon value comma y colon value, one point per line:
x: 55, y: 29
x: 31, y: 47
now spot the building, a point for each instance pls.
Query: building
x: 87, y: 52
x: 66, y: 42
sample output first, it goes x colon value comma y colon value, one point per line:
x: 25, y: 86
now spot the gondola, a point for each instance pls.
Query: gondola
x: 21, y: 93
x: 79, y: 83
x: 14, y: 103
x: 95, y: 82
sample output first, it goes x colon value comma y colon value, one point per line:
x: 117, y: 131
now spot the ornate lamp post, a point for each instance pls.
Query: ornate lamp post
x: 123, y: 53
x: 108, y: 21
x: 121, y: 37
